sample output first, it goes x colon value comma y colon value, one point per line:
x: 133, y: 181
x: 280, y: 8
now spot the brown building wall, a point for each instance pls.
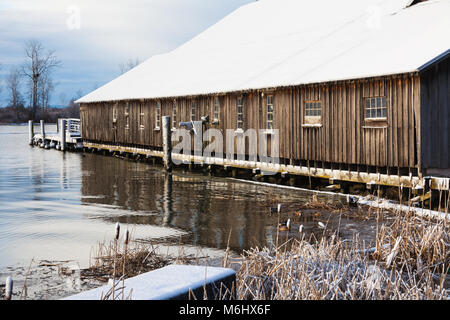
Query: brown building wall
x: 342, y: 136
x: 435, y: 113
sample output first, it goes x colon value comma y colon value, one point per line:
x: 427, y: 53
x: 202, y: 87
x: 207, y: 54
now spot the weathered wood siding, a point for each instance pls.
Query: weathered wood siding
x: 435, y: 113
x: 344, y: 136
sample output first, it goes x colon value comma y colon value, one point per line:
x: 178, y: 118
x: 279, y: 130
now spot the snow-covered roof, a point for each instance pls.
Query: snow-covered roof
x: 276, y: 43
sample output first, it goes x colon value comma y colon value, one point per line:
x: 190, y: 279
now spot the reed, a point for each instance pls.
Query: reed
x: 132, y: 258
x: 331, y: 269
x: 410, y: 261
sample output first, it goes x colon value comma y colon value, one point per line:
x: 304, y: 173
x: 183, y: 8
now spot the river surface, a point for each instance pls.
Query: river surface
x: 58, y: 206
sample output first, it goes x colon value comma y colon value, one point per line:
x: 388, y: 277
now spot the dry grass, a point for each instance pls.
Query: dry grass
x: 415, y: 243
x: 410, y: 261
x: 114, y: 259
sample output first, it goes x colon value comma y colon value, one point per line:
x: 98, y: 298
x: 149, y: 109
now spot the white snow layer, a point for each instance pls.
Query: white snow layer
x: 275, y: 43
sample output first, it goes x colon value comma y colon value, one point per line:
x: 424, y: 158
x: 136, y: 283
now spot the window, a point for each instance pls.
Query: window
x: 114, y: 116
x: 158, y: 116
x: 240, y: 112
x: 313, y: 113
x: 269, y: 111
x: 313, y: 108
x: 193, y: 109
x: 174, y: 115
x: 115, y: 113
x: 141, y: 117
x: 216, y: 109
x: 375, y: 108
x: 127, y: 116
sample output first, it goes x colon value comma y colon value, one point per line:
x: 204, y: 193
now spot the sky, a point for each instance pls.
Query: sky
x: 92, y: 38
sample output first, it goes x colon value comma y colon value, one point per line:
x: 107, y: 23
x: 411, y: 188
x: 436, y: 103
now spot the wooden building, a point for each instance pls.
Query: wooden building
x: 344, y: 94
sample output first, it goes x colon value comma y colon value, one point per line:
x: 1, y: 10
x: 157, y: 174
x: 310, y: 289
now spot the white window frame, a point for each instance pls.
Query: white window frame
x: 114, y: 116
x: 312, y: 113
x: 375, y: 108
x: 114, y: 113
x: 240, y: 114
x: 313, y: 108
x: 174, y: 115
x: 141, y: 117
x: 193, y: 110
x: 127, y: 116
x: 270, y: 111
x: 158, y: 116
x: 216, y: 109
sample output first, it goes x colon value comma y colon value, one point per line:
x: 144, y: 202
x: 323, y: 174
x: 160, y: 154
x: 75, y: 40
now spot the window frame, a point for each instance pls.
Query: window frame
x: 114, y: 113
x: 114, y: 116
x: 367, y: 104
x: 314, y: 106
x: 158, y: 115
x: 272, y: 113
x: 194, y: 106
x: 141, y: 117
x: 216, y: 110
x: 127, y: 116
x: 241, y: 106
x: 174, y: 114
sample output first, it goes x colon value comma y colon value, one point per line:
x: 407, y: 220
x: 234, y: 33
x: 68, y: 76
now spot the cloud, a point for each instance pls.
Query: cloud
x: 110, y: 32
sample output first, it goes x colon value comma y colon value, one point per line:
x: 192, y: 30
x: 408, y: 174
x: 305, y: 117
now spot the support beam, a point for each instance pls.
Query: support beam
x: 370, y: 186
x: 63, y: 135
x: 167, y: 143
x: 371, y: 180
x: 30, y: 132
x: 43, y: 130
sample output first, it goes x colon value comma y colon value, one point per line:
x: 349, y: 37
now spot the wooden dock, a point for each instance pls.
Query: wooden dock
x: 72, y: 140
x: 63, y: 139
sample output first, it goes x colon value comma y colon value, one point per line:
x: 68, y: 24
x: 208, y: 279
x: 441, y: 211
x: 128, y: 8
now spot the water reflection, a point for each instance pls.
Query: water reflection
x: 57, y: 206
x: 167, y: 200
x: 207, y: 208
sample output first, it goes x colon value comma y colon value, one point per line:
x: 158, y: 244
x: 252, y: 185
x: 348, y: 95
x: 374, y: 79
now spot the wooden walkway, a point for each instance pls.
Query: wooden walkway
x: 72, y: 139
x: 61, y: 140
x: 334, y: 175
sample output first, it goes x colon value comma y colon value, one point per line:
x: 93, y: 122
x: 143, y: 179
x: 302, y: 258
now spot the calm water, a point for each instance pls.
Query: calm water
x: 57, y: 206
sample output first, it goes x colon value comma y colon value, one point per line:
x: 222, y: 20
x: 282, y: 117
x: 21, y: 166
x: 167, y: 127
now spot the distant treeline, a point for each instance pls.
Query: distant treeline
x: 21, y: 114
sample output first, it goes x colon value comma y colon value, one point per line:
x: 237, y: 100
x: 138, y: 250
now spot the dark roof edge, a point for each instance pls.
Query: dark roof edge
x: 437, y: 59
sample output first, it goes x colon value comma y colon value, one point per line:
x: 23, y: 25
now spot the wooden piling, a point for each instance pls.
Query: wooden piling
x: 30, y: 132
x: 62, y: 133
x: 9, y: 288
x: 167, y: 143
x: 43, y: 130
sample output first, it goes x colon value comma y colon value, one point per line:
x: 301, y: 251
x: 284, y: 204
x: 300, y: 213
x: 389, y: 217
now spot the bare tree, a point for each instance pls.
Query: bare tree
x: 13, y: 83
x: 78, y: 94
x: 45, y: 89
x: 39, y: 65
x: 127, y: 66
x: 62, y: 99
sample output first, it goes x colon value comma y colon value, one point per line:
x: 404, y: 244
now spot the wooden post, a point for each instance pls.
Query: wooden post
x: 43, y: 130
x: 30, y: 132
x: 62, y: 133
x: 167, y: 200
x: 167, y: 143
x: 9, y: 288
